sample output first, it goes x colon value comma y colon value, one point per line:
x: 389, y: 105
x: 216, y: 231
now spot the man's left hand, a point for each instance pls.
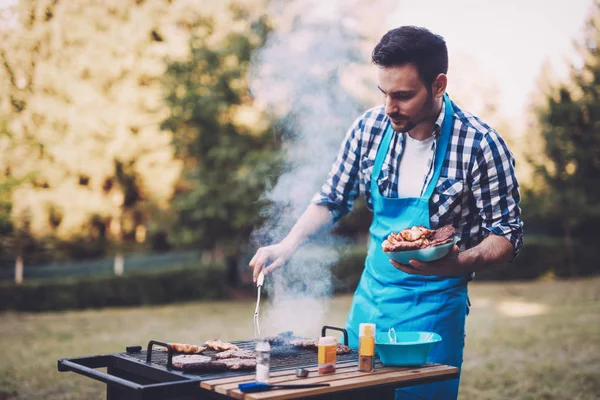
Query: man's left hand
x: 447, y: 265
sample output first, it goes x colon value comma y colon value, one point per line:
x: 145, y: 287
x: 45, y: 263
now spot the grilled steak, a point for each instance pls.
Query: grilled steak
x: 218, y: 345
x: 439, y: 241
x: 197, y: 362
x: 245, y: 354
x: 443, y: 233
x: 239, y: 363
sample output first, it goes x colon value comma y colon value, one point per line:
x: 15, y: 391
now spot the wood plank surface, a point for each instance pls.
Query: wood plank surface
x: 210, y: 384
x: 313, y: 377
x: 346, y: 377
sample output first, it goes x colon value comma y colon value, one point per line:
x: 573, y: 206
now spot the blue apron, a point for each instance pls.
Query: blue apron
x: 390, y: 298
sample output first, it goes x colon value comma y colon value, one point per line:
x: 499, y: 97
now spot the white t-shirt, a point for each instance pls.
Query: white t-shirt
x: 413, y: 166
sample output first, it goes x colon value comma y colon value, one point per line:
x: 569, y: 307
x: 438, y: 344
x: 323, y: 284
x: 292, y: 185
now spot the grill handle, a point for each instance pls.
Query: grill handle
x: 68, y: 365
x: 335, y: 328
x: 163, y: 344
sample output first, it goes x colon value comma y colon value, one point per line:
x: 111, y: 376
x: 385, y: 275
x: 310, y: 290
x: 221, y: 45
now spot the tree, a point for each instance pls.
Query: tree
x: 570, y: 170
x: 225, y: 143
x: 81, y: 89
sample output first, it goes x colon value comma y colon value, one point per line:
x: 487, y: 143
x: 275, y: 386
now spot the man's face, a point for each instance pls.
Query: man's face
x: 408, y: 103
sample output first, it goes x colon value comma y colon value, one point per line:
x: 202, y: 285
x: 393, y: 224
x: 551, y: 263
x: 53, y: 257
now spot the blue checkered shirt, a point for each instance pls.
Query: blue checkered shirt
x: 477, y: 191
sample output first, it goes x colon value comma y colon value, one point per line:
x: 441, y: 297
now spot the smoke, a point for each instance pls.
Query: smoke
x: 299, y: 78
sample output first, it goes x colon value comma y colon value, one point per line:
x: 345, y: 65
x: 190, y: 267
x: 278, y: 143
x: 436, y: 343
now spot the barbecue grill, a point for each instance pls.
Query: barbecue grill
x: 147, y: 374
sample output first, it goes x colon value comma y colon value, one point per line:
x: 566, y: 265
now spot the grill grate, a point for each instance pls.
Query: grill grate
x: 282, y: 357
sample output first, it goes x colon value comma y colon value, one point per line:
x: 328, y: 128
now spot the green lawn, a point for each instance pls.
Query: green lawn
x: 524, y: 340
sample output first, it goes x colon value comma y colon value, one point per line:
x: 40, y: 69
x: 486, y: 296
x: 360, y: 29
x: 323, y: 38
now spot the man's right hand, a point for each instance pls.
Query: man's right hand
x: 269, y: 258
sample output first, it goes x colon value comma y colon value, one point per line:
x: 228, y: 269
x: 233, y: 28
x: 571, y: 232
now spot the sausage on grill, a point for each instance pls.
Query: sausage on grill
x: 219, y: 345
x: 187, y: 348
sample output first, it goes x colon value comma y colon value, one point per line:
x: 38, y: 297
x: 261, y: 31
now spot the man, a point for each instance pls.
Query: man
x: 420, y: 160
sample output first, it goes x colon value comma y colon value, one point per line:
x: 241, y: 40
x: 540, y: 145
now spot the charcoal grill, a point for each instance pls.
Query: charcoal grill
x: 147, y: 374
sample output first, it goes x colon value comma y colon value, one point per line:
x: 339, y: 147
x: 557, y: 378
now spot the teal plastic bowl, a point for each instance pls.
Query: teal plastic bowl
x: 426, y: 255
x: 410, y: 349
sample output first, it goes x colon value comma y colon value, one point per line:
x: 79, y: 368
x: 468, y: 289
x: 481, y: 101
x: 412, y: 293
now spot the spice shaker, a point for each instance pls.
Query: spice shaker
x: 366, y: 347
x: 263, y: 361
x: 327, y: 348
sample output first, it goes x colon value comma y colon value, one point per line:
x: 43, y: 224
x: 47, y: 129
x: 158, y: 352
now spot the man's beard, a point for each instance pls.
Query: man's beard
x: 410, y: 123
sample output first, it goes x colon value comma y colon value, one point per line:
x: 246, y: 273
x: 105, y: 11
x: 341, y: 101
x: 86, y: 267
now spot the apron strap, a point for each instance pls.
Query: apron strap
x: 440, y: 154
x: 380, y: 157
x: 442, y: 147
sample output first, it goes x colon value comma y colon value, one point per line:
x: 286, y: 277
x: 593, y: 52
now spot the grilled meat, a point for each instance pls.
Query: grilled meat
x: 306, y: 343
x: 245, y: 354
x: 415, y: 233
x: 418, y: 237
x: 392, y: 244
x: 187, y: 348
x: 239, y: 363
x: 195, y: 362
x: 313, y: 345
x: 219, y: 345
x: 443, y: 233
x: 342, y: 349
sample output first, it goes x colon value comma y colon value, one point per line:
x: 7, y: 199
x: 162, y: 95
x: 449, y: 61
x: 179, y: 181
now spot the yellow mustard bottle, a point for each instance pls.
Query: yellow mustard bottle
x: 366, y: 347
x: 327, y: 354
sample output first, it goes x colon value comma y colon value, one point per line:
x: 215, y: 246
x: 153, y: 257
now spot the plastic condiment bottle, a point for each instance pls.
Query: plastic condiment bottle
x: 263, y: 361
x: 327, y: 354
x: 366, y: 347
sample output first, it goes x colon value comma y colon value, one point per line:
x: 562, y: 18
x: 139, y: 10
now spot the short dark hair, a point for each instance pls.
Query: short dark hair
x: 413, y: 45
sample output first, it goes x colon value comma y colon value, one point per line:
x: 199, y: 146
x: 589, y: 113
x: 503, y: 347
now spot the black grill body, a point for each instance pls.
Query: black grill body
x: 147, y: 374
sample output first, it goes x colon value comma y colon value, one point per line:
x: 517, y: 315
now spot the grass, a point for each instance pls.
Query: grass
x: 537, y: 340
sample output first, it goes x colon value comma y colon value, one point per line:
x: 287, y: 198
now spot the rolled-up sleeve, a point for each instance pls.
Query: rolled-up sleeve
x: 496, y: 190
x: 342, y: 185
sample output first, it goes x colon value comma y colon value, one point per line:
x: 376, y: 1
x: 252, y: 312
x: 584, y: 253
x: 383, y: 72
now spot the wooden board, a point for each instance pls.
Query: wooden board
x: 346, y: 377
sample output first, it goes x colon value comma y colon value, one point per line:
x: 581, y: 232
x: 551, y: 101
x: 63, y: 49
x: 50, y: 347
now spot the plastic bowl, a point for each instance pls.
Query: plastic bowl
x: 425, y: 255
x: 410, y: 349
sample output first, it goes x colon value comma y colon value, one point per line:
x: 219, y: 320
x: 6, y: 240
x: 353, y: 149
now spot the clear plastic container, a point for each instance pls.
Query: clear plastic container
x: 327, y: 354
x: 263, y: 361
x: 366, y: 347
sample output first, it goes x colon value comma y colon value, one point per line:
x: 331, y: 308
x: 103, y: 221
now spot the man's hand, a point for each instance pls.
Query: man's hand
x: 269, y: 258
x: 447, y: 265
x: 492, y: 252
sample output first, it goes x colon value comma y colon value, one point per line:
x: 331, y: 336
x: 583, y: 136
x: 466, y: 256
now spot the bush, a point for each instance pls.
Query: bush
x: 133, y: 289
x: 546, y: 256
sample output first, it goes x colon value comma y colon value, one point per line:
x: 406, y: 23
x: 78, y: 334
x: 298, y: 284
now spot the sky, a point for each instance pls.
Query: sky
x: 509, y: 40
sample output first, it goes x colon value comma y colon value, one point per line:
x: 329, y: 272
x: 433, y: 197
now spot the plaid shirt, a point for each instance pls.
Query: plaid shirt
x: 477, y: 191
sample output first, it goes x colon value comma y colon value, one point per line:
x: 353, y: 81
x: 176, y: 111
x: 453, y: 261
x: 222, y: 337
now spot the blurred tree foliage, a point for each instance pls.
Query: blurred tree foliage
x: 568, y: 181
x: 226, y: 143
x: 85, y: 161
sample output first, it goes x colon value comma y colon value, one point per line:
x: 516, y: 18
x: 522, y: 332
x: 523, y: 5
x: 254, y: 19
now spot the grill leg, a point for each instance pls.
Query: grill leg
x: 118, y: 393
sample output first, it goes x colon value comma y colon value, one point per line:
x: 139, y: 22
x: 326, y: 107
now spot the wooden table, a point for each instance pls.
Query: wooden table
x: 345, y: 379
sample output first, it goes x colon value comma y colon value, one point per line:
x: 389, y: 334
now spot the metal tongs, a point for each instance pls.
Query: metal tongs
x: 259, y: 283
